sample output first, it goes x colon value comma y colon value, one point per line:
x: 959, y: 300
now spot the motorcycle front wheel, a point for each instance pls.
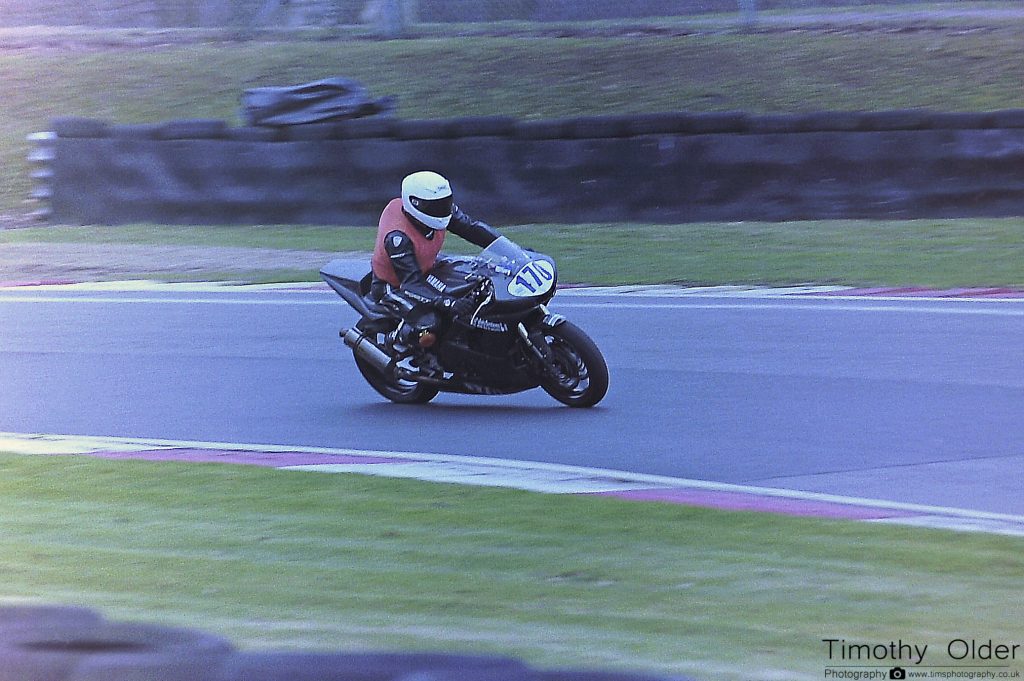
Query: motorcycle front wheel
x: 580, y: 373
x: 394, y: 389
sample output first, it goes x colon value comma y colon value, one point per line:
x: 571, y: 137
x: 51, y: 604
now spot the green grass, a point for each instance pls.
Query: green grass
x: 928, y: 253
x: 133, y: 76
x: 300, y: 560
x: 290, y: 237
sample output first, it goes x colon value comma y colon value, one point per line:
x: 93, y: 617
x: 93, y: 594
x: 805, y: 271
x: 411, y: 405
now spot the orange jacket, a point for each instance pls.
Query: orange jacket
x: 393, y: 219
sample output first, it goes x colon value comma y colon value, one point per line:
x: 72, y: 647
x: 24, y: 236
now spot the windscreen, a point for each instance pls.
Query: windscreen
x: 505, y: 253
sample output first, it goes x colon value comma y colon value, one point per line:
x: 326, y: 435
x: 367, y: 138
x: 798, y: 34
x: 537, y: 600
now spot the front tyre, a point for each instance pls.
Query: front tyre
x: 580, y: 374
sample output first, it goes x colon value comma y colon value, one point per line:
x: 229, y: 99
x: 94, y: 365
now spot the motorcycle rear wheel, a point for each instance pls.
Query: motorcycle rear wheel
x: 582, y: 371
x: 394, y: 389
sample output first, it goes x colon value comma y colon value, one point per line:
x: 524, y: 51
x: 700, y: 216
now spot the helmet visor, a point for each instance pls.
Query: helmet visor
x: 435, y: 208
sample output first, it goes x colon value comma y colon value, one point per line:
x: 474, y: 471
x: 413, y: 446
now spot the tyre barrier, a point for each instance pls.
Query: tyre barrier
x: 53, y: 643
x: 586, y: 127
x: 660, y: 167
x: 196, y: 129
x: 40, y: 159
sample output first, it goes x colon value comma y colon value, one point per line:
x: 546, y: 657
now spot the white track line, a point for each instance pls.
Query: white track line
x: 531, y: 475
x: 908, y: 306
x: 120, y: 300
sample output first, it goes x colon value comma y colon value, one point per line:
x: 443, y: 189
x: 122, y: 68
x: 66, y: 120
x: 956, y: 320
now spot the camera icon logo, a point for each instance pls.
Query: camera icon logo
x: 897, y: 673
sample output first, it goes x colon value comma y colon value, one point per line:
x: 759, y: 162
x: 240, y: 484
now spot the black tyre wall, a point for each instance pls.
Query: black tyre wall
x: 661, y: 168
x: 44, y: 643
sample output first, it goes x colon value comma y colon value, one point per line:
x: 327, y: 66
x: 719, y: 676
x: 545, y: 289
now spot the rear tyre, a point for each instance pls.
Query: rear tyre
x: 394, y: 389
x: 581, y: 373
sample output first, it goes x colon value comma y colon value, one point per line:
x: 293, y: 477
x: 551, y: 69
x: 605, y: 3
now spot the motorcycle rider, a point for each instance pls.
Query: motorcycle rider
x: 410, y: 234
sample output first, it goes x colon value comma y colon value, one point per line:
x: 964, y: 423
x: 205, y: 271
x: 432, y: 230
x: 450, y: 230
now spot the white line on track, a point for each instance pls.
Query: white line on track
x: 958, y: 306
x: 121, y: 300
x: 861, y: 306
x: 531, y: 475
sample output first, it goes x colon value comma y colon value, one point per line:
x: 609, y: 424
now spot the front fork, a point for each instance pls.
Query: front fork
x: 535, y: 343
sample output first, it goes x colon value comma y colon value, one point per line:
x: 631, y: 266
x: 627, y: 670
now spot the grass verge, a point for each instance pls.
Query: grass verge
x: 927, y: 253
x: 949, y: 63
x: 331, y: 562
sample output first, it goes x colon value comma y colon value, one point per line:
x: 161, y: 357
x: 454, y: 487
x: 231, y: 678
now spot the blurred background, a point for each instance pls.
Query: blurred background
x: 391, y: 13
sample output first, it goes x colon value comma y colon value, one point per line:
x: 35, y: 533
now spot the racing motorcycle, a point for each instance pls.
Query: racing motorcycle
x: 408, y: 350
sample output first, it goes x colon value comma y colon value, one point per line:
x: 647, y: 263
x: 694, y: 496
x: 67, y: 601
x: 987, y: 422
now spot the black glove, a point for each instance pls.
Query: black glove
x: 457, y: 307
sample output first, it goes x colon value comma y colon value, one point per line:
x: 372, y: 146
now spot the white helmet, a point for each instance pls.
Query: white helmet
x: 427, y: 197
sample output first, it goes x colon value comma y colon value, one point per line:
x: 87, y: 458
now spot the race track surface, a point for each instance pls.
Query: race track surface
x: 906, y: 399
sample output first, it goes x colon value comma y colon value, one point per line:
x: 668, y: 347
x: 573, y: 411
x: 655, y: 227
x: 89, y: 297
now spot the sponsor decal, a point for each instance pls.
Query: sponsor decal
x: 482, y: 389
x: 488, y: 325
x: 416, y: 296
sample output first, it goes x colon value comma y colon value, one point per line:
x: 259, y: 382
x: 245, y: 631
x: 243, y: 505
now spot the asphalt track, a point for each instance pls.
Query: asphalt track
x: 907, y: 399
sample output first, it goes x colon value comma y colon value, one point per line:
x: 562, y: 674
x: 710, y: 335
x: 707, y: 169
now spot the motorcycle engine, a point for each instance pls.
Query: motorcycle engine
x: 420, y: 328
x: 477, y: 353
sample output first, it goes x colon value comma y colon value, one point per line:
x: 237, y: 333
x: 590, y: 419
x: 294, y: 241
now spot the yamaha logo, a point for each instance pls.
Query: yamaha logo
x: 436, y: 283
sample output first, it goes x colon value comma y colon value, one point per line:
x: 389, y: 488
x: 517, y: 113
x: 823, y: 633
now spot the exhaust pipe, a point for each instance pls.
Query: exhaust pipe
x: 367, y: 349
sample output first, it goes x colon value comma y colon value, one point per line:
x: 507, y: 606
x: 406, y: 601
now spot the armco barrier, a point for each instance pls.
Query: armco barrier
x: 668, y: 167
x: 44, y: 643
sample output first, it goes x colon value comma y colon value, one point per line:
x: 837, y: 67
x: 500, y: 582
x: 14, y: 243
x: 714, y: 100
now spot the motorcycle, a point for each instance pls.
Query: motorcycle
x: 408, y: 350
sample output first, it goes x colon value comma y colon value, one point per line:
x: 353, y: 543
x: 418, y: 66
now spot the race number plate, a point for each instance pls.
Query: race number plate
x: 534, y: 279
